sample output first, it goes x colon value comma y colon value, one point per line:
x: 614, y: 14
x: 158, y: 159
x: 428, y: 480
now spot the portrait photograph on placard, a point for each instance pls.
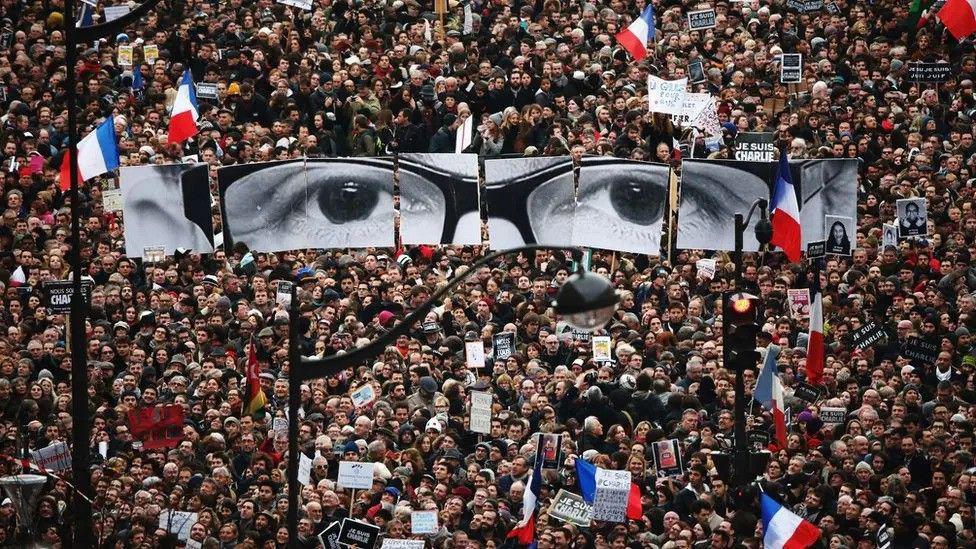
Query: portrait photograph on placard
x: 530, y: 201
x: 549, y: 449
x: 439, y: 199
x: 696, y: 72
x: 667, y: 458
x: 912, y: 217
x: 889, y: 235
x: 840, y: 234
x: 166, y: 205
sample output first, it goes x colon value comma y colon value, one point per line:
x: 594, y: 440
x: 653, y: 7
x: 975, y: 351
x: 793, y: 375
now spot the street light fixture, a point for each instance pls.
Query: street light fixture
x: 585, y: 300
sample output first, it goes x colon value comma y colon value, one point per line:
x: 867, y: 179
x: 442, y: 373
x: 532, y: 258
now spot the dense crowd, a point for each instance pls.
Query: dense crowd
x: 369, y: 77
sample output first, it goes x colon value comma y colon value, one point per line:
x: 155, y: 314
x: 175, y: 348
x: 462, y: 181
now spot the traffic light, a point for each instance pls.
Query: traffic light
x: 741, y: 322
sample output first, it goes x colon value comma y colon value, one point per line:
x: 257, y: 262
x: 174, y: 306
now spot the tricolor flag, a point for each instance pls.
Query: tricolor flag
x: 785, y: 212
x: 18, y: 277
x: 959, y: 16
x: 254, y: 399
x: 783, y: 529
x: 183, y: 119
x: 586, y: 476
x: 769, y: 393
x: 635, y: 37
x: 97, y: 154
x: 524, y: 531
x: 815, y: 339
x: 86, y: 15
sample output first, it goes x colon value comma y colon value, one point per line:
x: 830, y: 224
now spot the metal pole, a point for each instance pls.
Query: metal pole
x: 741, y: 461
x: 294, y: 402
x: 80, y: 458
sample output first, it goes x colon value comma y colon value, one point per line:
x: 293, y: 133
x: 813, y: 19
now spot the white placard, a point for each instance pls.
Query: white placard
x: 304, y: 469
x: 423, y: 522
x: 601, y: 349
x: 480, y: 412
x: 178, y: 522
x: 474, y: 354
x: 390, y: 543
x: 112, y: 200
x: 612, y: 494
x: 153, y: 254
x: 114, y: 12
x: 666, y: 96
x: 53, y: 458
x: 280, y: 427
x: 303, y: 4
x: 363, y: 396
x: 706, y: 268
x: 355, y: 475
x: 283, y: 293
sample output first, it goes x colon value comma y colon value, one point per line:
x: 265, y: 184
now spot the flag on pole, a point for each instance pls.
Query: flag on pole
x: 785, y: 212
x: 97, y: 154
x: 959, y: 16
x: 586, y: 476
x: 783, y: 529
x: 86, y: 15
x: 769, y: 393
x: 524, y: 531
x: 635, y: 37
x: 255, y: 401
x: 815, y: 339
x: 183, y: 119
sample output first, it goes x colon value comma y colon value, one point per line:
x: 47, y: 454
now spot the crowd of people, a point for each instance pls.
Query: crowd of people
x: 372, y: 77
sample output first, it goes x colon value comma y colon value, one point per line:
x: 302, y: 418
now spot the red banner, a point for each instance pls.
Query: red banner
x: 157, y: 427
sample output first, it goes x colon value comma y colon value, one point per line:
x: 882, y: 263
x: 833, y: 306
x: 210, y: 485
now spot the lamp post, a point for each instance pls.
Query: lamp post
x: 586, y: 300
x: 734, y: 357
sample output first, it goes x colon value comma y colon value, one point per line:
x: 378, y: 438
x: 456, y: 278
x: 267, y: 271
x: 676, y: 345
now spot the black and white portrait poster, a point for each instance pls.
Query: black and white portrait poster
x: 621, y: 205
x: 166, y: 205
x: 912, y: 217
x: 318, y: 203
x: 889, y: 235
x: 530, y: 201
x: 840, y: 234
x: 439, y: 199
x: 712, y: 191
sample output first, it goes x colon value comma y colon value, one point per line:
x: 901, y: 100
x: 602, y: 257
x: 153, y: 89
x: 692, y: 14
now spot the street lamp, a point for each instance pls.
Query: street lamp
x: 586, y: 300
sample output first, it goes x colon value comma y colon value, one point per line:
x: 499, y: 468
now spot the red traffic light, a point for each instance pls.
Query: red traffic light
x: 741, y: 305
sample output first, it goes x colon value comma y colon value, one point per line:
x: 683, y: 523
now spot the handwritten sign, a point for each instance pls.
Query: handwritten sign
x: 666, y: 96
x: 363, y: 396
x: 423, y: 522
x: 612, y: 493
x: 304, y: 469
x: 178, y: 522
x: 480, y: 412
x: 114, y: 12
x: 474, y: 354
x: 390, y: 543
x: 571, y: 508
x: 356, y: 475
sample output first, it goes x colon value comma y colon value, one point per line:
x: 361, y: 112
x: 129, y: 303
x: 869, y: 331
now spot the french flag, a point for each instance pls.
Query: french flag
x: 959, y: 16
x: 586, y: 476
x: 183, y: 119
x: 636, y: 36
x: 783, y: 529
x: 524, y: 532
x: 769, y: 393
x: 97, y: 154
x: 815, y: 340
x: 785, y: 212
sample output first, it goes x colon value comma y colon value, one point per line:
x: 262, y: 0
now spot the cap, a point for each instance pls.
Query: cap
x: 433, y: 424
x: 266, y: 332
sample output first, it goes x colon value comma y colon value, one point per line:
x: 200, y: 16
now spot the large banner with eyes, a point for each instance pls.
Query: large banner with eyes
x: 166, y: 205
x: 439, y: 201
x: 712, y: 191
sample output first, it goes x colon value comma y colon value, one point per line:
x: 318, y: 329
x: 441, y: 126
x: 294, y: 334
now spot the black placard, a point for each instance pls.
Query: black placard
x: 791, y: 70
x: 805, y: 6
x: 817, y: 248
x: 503, y: 344
x: 696, y: 72
x: 206, y: 90
x: 866, y: 335
x: 330, y: 536
x: 758, y: 439
x: 700, y: 20
x: 57, y: 295
x: 929, y: 72
x: 358, y: 534
x: 918, y: 350
x: 807, y: 392
x: 755, y: 147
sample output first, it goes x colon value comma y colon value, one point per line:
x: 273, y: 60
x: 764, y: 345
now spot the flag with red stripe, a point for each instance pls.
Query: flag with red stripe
x: 815, y: 339
x: 785, y: 212
x: 769, y: 393
x: 959, y: 16
x: 524, y: 531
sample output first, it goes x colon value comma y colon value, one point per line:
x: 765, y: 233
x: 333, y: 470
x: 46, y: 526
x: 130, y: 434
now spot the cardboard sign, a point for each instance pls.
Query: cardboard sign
x: 358, y: 534
x: 206, y: 90
x: 601, y: 349
x: 330, y: 536
x: 817, y: 248
x: 791, y: 68
x: 480, y: 412
x: 666, y: 96
x: 503, y: 344
x: 53, y: 458
x: 570, y: 508
x: 706, y: 268
x: 920, y: 351
x: 833, y: 416
x: 929, y: 72
x: 390, y: 543
x: 283, y: 293
x: 150, y: 52
x: 57, y: 295
x: 153, y: 254
x: 867, y: 335
x: 701, y: 20
x: 423, y: 522
x: 363, y: 396
x: 667, y: 458
x: 549, y: 450
x: 612, y: 493
x: 696, y: 72
x: 755, y: 146
x: 474, y: 354
x: 178, y: 522
x: 798, y: 300
x: 807, y: 392
x: 355, y: 475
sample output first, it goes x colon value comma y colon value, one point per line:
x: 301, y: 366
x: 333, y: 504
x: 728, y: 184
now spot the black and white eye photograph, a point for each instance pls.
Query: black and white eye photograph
x: 712, y: 191
x: 840, y: 234
x: 318, y: 203
x: 530, y: 201
x: 166, y: 205
x: 912, y: 217
x: 621, y: 205
x: 439, y: 199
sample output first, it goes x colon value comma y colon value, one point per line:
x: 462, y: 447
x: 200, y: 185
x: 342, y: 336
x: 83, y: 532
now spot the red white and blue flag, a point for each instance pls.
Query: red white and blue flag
x: 785, y: 212
x: 586, y: 476
x: 769, y: 393
x: 183, y: 119
x: 783, y: 529
x: 636, y: 36
x: 97, y: 154
x: 524, y: 532
x: 815, y: 339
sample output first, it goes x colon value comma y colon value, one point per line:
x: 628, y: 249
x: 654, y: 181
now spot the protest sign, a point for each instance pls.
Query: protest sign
x: 798, y: 300
x: 920, y: 351
x: 701, y: 19
x: 178, y: 523
x: 330, y: 536
x: 667, y: 458
x: 817, y: 248
x: 114, y: 12
x: 423, y: 522
x: 833, y: 416
x: 929, y: 72
x: 363, y: 396
x: 158, y: 426
x: 57, y: 294
x: 791, y: 68
x: 755, y: 146
x: 112, y: 199
x: 691, y: 107
x: 283, y: 293
x: 356, y: 475
x: 612, y: 493
x: 867, y: 334
x: 304, y: 469
x: 206, y: 90
x: 150, y: 52
x: 474, y: 354
x: 889, y: 235
x: 696, y: 72
x: 301, y: 4
x: 390, y: 543
x: 665, y: 96
x: 503, y: 344
x: 53, y: 458
x: 706, y: 268
x: 154, y: 254
x: 125, y: 55
x: 757, y: 439
x: 480, y: 412
x: 358, y: 534
x: 807, y: 392
x: 571, y: 508
x: 549, y: 449
x: 601, y: 348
